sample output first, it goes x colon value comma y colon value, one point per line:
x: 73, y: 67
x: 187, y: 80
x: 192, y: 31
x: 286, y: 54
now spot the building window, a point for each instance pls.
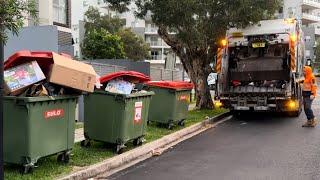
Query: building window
x: 155, y: 55
x: 85, y: 3
x: 308, y: 53
x: 308, y: 38
x: 60, y: 11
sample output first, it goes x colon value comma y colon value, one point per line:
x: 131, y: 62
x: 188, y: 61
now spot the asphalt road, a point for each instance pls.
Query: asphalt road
x: 259, y: 146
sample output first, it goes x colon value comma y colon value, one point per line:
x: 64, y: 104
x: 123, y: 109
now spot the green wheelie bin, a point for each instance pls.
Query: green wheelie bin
x: 173, y: 97
x: 36, y: 127
x: 116, y: 118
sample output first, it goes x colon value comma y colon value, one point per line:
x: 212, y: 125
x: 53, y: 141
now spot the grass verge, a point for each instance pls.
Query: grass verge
x: 49, y: 168
x: 79, y: 125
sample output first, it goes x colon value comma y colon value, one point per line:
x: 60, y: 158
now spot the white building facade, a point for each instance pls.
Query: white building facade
x: 53, y: 21
x: 308, y: 11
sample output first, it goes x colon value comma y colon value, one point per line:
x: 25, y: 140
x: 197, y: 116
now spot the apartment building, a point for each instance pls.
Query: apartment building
x: 79, y: 7
x: 51, y: 31
x: 308, y: 11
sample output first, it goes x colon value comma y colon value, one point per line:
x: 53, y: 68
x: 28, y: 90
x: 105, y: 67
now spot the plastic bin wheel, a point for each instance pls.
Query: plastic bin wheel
x: 64, y: 157
x: 170, y: 125
x: 181, y: 123
x: 119, y: 149
x: 27, y: 169
x: 138, y: 141
x: 85, y: 143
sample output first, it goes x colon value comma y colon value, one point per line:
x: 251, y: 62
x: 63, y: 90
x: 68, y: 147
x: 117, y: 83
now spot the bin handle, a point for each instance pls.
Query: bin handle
x: 120, y: 98
x: 145, y: 87
x: 172, y: 90
x: 19, y: 102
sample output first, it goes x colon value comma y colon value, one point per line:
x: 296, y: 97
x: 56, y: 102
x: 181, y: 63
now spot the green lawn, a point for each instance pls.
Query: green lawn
x: 49, y: 168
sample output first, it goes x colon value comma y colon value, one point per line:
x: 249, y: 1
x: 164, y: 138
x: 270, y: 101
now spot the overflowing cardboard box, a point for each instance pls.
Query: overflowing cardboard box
x: 60, y: 70
x: 19, y: 78
x: 70, y: 73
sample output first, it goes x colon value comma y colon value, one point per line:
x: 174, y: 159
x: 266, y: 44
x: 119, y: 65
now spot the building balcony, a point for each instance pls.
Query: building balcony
x: 157, y: 45
x: 308, y: 18
x: 149, y: 30
x: 317, y: 31
x: 310, y: 4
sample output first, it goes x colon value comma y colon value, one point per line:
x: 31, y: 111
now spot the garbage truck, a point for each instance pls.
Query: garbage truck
x: 258, y: 68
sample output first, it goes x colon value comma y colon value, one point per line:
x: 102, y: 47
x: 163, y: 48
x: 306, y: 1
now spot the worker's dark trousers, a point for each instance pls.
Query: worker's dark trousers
x: 307, y: 103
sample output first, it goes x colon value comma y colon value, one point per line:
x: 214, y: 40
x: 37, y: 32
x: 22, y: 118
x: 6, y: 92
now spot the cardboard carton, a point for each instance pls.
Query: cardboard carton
x: 70, y: 73
x: 19, y: 78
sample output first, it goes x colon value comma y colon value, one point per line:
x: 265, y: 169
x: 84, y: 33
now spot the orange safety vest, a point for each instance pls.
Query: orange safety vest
x: 309, y: 84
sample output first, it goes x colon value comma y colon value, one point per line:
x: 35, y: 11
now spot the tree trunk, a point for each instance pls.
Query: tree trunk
x: 198, y: 73
x: 196, y: 63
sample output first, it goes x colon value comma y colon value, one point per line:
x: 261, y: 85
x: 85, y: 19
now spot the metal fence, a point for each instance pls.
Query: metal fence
x: 103, y: 69
x: 158, y: 74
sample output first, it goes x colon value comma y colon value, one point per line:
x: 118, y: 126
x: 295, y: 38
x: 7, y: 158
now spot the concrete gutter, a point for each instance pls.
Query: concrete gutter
x: 155, y: 148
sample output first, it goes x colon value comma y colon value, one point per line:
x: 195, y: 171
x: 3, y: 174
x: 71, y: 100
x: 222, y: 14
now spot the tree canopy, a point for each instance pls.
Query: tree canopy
x: 94, y: 20
x: 134, y: 47
x: 198, y: 27
x: 100, y: 44
x: 12, y: 15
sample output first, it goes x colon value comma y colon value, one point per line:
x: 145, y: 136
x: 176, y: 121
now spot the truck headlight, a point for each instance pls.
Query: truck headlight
x: 292, y: 104
x: 218, y: 104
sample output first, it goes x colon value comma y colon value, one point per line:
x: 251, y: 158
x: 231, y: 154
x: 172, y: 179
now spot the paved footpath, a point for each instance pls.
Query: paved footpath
x: 258, y: 146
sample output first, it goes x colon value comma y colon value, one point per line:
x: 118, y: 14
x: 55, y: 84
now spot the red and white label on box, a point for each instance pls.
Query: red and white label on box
x: 54, y: 113
x: 137, y: 112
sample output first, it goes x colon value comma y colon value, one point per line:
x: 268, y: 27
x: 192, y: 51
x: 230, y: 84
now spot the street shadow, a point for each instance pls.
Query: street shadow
x: 264, y: 117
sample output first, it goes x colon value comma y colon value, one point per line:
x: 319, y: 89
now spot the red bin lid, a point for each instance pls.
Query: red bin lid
x: 126, y: 75
x: 171, y: 84
x: 43, y: 58
x: 21, y: 57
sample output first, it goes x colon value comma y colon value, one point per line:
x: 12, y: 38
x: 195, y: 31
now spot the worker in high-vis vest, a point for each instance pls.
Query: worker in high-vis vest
x: 309, y: 92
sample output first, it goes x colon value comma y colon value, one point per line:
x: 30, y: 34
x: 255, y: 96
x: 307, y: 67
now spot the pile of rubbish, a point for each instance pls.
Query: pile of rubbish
x: 123, y: 82
x: 33, y: 74
x: 280, y: 84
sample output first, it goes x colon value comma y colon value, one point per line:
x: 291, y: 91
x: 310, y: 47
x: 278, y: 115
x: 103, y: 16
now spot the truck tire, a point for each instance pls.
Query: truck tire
x: 237, y: 114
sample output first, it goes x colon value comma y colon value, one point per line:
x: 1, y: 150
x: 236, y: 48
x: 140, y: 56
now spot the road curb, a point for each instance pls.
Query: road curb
x: 122, y: 161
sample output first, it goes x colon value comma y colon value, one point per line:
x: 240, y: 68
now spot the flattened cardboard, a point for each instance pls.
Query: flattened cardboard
x: 19, y: 78
x: 70, y: 73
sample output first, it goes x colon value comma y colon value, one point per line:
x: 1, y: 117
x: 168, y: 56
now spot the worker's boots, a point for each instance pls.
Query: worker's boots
x: 310, y: 123
x: 307, y: 124
x: 313, y: 123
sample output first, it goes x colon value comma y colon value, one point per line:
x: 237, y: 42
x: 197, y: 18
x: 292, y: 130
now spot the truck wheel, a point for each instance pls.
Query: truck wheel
x: 236, y: 114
